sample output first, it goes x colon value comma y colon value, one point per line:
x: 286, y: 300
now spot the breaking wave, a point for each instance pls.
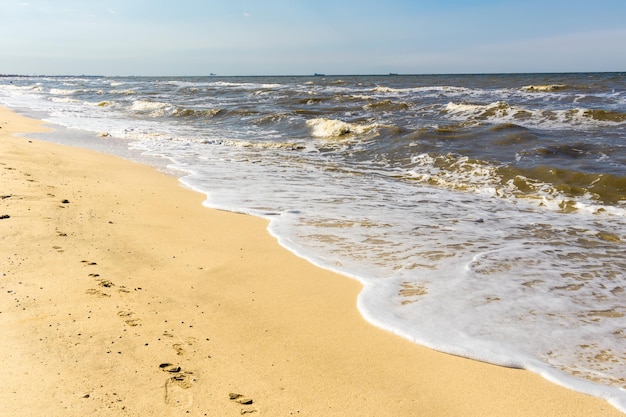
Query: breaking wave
x: 544, y: 88
x: 331, y: 128
x: 503, y: 112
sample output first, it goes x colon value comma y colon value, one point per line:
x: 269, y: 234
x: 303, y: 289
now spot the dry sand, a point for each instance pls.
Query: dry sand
x: 120, y: 295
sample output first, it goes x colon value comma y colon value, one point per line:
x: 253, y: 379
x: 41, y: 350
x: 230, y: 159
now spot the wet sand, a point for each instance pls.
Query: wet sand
x: 120, y: 295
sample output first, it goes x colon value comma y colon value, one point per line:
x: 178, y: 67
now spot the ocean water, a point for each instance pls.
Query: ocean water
x: 485, y: 215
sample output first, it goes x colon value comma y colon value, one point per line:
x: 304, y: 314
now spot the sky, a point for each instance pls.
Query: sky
x: 302, y: 37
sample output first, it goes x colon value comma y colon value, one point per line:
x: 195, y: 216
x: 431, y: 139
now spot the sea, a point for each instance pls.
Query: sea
x: 485, y: 214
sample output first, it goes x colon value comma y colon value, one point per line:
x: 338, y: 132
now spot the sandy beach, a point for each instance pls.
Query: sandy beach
x: 121, y: 295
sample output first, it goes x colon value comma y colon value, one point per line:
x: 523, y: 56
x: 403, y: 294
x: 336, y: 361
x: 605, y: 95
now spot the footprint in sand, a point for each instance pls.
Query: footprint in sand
x: 105, y: 283
x: 177, y: 386
x: 243, y: 400
x: 178, y: 347
x: 123, y: 289
x: 97, y: 293
x: 128, y: 318
x: 101, y: 282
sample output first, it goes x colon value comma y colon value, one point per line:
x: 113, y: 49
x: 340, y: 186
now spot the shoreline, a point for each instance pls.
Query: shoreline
x: 121, y: 292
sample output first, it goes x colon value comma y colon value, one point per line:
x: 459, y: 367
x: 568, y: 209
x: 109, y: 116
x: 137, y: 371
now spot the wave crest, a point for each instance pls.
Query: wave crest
x: 544, y: 88
x: 557, y: 189
x: 149, y: 108
x: 332, y: 128
x: 192, y: 113
x: 502, y: 112
x: 387, y: 105
x: 604, y: 115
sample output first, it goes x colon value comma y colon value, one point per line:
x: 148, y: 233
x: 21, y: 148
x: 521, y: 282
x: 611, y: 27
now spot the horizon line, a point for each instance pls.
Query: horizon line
x: 319, y: 75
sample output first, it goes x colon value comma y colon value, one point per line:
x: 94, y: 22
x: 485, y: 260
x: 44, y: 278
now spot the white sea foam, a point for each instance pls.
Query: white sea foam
x: 456, y: 172
x: 246, y: 85
x: 502, y: 112
x: 330, y: 128
x: 62, y: 92
x: 381, y: 89
x: 128, y: 92
x: 426, y: 91
x: 64, y: 100
x: 499, y: 109
x: 151, y: 108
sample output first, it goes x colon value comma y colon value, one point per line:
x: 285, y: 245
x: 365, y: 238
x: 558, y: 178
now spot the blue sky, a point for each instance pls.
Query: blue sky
x: 263, y: 37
